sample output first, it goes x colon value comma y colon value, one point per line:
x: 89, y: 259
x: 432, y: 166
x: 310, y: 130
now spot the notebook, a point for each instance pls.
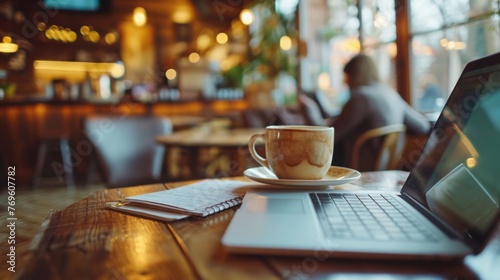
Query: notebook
x: 199, y: 199
x: 448, y: 206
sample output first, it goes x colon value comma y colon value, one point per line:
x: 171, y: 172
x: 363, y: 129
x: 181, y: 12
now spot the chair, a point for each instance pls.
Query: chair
x: 53, y: 162
x: 310, y: 110
x: 392, y: 143
x: 126, y: 148
x: 327, y: 111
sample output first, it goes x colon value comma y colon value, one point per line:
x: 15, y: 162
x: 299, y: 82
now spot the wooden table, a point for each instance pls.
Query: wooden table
x: 232, y: 143
x: 183, y: 122
x: 87, y: 241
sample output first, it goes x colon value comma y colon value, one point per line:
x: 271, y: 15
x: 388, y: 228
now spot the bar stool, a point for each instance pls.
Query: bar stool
x: 54, y: 153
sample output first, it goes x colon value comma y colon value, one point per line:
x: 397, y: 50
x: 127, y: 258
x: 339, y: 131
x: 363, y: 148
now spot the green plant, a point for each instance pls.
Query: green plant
x: 234, y: 76
x: 266, y: 58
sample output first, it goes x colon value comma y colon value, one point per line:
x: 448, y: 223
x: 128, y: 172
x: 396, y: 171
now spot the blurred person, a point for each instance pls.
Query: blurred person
x: 371, y: 105
x: 432, y: 98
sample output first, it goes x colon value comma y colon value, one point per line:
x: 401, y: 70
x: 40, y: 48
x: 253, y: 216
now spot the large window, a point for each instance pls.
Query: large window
x: 338, y: 29
x: 443, y: 36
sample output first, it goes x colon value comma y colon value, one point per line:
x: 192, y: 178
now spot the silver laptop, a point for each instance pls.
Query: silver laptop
x: 447, y: 208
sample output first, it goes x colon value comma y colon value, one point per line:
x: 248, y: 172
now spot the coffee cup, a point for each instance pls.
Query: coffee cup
x: 295, y: 151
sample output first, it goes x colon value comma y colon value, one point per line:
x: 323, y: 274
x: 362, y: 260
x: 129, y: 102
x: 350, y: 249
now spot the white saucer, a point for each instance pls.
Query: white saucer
x: 336, y: 176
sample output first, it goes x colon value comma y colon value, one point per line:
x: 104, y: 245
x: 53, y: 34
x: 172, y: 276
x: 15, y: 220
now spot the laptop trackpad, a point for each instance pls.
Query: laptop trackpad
x: 275, y: 206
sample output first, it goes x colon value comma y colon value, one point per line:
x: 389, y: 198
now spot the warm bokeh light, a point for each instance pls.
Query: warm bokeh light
x: 225, y: 64
x: 7, y: 40
x: 139, y: 16
x: 194, y: 57
x: 237, y: 29
x: 71, y: 35
x: 380, y: 21
x: 324, y: 81
x: 117, y: 70
x: 471, y: 162
x: 392, y: 49
x: 181, y: 16
x: 76, y: 71
x: 6, y: 46
x: 111, y: 38
x: 351, y: 45
x: 246, y: 16
x: 84, y: 30
x: 421, y: 49
x: 453, y: 45
x: 59, y: 33
x: 285, y: 43
x: 222, y: 38
x: 171, y: 74
x: 41, y: 26
x: 443, y: 42
x: 63, y: 34
x: 203, y: 41
x: 49, y: 33
x: 94, y: 36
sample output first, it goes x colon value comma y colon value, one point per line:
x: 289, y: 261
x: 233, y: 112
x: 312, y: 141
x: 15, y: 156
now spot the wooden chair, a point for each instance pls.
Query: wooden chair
x: 53, y: 163
x: 310, y: 110
x: 126, y: 147
x: 392, y: 144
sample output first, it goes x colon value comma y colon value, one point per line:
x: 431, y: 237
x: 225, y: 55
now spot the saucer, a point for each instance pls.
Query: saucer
x: 336, y: 176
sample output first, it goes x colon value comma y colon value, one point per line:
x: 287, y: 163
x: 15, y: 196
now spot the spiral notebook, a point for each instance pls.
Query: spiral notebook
x: 199, y: 199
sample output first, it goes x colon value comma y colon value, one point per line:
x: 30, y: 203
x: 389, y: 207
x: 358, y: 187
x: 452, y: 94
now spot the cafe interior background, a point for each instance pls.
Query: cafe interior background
x: 217, y: 58
x: 207, y: 59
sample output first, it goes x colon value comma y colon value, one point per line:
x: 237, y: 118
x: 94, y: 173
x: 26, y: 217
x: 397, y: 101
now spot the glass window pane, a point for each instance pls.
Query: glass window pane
x: 429, y: 15
x: 379, y: 21
x: 479, y: 7
x: 439, y: 57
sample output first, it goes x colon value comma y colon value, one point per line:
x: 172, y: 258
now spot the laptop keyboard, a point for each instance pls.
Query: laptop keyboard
x: 367, y: 216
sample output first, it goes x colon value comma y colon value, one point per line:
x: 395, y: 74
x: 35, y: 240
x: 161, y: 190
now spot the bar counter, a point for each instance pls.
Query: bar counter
x: 23, y: 122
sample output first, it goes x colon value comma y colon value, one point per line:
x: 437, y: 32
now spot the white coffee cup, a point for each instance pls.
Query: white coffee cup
x: 295, y: 151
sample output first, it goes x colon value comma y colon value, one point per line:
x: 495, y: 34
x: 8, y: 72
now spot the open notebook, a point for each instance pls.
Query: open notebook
x: 199, y: 199
x: 447, y: 208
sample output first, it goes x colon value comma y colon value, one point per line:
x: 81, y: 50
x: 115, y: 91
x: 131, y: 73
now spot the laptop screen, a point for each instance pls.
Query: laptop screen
x: 457, y: 176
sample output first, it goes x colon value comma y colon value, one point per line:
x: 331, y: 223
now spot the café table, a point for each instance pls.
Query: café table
x: 230, y: 142
x: 88, y: 241
x: 183, y: 122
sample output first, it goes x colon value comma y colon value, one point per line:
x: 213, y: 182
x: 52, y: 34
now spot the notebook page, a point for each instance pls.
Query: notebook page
x: 195, y: 198
x: 146, y: 212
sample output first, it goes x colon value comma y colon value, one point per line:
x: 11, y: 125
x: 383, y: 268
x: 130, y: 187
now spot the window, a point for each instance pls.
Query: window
x: 444, y: 36
x: 334, y: 32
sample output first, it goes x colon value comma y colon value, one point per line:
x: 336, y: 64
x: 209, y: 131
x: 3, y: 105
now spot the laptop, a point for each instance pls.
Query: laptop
x: 447, y: 208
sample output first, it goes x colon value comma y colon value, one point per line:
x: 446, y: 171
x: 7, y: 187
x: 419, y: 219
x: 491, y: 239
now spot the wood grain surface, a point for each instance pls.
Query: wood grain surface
x: 88, y: 241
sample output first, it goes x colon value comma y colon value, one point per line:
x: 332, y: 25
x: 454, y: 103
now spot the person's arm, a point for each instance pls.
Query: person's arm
x: 415, y: 122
